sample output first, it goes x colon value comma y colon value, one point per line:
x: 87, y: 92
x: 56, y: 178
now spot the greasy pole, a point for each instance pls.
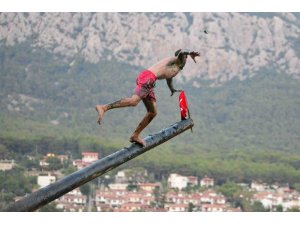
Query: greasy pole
x: 55, y: 190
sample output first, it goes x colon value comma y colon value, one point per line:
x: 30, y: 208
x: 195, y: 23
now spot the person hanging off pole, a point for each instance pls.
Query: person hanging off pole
x: 165, y: 69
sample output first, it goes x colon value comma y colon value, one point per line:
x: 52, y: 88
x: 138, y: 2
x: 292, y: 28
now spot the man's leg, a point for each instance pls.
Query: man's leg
x: 151, y: 113
x: 125, y: 102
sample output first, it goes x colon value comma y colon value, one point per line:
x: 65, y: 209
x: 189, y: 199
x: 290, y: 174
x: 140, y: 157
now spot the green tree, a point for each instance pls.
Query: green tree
x: 6, y: 198
x: 54, y: 163
x: 191, y: 207
x: 279, y: 208
x: 293, y: 209
x: 13, y: 183
x: 229, y: 190
x: 70, y: 169
x: 85, y: 189
x: 132, y: 187
x: 4, y: 153
x: 297, y: 186
x: 156, y: 193
x: 30, y: 164
x: 258, y: 207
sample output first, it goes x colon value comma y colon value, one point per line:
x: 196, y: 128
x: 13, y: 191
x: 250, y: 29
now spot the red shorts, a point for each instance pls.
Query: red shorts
x: 145, y: 82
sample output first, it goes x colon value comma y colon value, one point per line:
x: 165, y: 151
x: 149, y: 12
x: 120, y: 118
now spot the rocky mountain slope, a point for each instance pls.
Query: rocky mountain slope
x: 237, y: 44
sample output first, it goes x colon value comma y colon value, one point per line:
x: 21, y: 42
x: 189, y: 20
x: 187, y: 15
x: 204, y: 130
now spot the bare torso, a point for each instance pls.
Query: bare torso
x: 164, y: 69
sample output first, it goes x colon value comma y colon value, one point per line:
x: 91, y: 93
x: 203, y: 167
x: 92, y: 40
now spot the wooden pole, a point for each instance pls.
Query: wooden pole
x: 55, y: 190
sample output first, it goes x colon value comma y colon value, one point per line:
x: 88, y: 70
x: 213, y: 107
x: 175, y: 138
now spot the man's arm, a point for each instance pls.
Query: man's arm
x: 181, y: 54
x: 180, y: 60
x: 181, y: 57
x: 170, y: 85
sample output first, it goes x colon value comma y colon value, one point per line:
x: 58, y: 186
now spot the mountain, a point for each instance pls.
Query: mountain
x: 243, y: 92
x: 237, y: 44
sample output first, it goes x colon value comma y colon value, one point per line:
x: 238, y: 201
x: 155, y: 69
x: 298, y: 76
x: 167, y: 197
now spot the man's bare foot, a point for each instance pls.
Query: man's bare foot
x: 138, y: 140
x: 100, y: 109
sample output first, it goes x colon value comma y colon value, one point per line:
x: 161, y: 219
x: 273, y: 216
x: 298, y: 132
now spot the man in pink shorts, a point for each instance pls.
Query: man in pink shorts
x: 145, y: 82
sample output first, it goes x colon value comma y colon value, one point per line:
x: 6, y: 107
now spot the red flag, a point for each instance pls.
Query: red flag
x: 183, y: 106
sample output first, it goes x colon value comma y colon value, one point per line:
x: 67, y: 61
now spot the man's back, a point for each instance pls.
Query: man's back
x: 166, y: 68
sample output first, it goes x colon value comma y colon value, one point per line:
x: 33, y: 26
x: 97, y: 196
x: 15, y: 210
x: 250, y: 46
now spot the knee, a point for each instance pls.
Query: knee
x: 134, y: 102
x: 152, y: 114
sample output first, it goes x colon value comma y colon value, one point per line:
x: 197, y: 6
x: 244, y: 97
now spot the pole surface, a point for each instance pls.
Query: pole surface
x: 55, y: 190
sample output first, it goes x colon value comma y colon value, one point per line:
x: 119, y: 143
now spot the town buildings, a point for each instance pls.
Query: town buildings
x: 130, y: 191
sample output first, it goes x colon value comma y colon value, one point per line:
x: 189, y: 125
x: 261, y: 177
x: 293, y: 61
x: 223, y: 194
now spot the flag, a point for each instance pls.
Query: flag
x: 183, y: 106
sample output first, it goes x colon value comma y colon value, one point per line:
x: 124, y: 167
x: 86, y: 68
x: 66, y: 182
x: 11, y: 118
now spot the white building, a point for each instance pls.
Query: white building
x: 192, y: 180
x: 270, y: 200
x: 150, y: 187
x: 118, y: 186
x: 258, y: 186
x: 213, y: 208
x: 177, y: 181
x: 121, y: 177
x: 291, y: 204
x: 7, y: 164
x: 45, y: 179
x: 89, y: 157
x: 206, y: 182
x: 177, y: 207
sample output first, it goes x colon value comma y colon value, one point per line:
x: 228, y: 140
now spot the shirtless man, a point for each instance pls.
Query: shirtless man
x: 145, y: 82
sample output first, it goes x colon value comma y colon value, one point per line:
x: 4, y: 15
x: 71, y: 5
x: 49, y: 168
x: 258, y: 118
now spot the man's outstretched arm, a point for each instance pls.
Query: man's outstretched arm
x: 181, y: 57
x: 181, y: 54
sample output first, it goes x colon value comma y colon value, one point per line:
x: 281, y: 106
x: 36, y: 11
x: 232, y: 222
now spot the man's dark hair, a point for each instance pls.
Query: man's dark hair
x: 182, y: 52
x: 177, y: 52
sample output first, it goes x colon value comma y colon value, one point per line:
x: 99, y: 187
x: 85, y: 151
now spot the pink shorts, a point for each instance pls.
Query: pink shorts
x: 145, y: 82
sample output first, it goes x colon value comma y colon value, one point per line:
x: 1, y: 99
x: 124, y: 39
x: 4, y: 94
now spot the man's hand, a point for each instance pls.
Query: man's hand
x: 174, y: 90
x: 194, y: 55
